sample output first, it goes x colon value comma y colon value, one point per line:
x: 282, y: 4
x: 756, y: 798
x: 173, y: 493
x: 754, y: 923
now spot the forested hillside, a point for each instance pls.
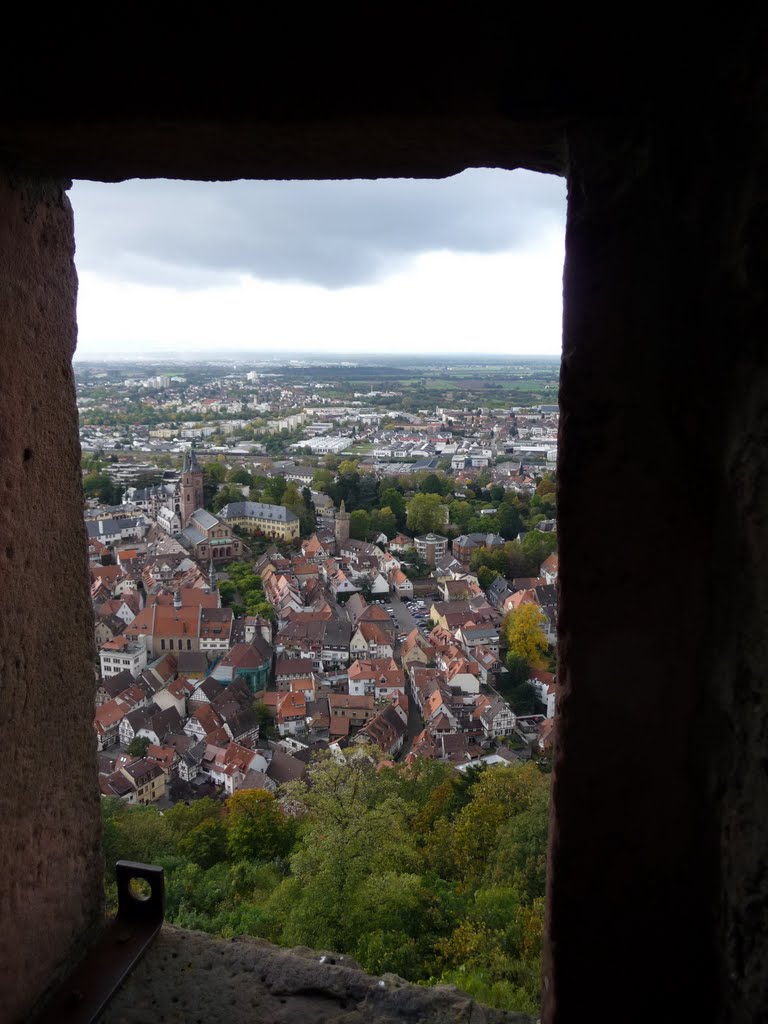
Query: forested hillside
x: 422, y: 871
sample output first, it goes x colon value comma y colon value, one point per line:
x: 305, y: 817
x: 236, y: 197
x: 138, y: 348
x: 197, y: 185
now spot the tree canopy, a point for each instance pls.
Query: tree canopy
x: 435, y: 875
x: 524, y: 632
x: 243, y: 591
x: 425, y: 513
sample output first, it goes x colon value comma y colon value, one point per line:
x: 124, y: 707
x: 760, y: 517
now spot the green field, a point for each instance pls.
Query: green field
x: 360, y: 449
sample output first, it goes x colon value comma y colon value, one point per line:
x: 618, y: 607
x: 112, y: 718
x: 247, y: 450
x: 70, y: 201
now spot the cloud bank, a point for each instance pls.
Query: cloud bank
x: 331, y: 234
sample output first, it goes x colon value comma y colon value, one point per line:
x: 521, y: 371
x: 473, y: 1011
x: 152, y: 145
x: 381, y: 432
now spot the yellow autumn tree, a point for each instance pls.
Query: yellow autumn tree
x: 525, y: 636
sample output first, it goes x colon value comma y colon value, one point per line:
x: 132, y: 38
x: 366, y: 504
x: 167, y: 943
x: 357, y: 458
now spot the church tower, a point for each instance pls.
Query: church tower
x: 191, y: 486
x: 341, y: 526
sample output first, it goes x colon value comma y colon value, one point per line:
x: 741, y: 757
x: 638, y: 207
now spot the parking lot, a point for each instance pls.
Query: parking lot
x: 404, y: 617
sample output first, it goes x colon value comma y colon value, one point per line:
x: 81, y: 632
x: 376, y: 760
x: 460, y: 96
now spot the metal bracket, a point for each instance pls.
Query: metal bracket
x: 83, y: 996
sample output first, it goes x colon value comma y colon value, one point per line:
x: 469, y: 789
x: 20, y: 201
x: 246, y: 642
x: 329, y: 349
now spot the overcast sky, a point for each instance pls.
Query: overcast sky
x: 470, y: 264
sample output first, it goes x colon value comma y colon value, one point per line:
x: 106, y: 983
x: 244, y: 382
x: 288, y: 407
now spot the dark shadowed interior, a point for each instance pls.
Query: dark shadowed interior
x: 658, y: 888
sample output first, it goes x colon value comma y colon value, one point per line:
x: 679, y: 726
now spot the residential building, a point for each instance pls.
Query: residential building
x: 431, y: 547
x: 147, y: 779
x: 546, y: 689
x: 215, y: 629
x: 123, y: 655
x: 464, y: 547
x: 497, y: 718
x: 549, y: 568
x: 387, y: 730
x: 274, y: 521
x: 356, y: 710
x: 370, y: 641
x: 400, y: 584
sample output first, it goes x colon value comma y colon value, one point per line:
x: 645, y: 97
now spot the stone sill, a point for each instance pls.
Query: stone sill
x: 193, y: 978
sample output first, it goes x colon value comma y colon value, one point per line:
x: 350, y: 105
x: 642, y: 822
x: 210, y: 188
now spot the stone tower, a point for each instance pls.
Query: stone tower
x: 191, y: 486
x: 341, y: 525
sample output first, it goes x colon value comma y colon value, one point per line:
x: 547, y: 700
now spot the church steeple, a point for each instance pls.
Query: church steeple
x: 191, y: 486
x: 191, y: 465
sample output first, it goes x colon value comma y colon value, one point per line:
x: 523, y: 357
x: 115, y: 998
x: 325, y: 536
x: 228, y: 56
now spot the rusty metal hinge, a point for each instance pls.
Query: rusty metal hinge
x: 84, y: 994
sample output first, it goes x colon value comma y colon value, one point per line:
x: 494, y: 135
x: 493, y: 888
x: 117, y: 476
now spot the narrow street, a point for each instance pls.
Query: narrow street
x: 406, y: 622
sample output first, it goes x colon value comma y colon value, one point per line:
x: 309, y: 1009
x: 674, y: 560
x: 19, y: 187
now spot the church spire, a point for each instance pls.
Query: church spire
x: 191, y: 493
x: 191, y: 465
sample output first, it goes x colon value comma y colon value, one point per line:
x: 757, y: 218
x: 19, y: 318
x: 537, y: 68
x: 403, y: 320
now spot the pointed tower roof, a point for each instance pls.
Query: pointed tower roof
x: 191, y: 465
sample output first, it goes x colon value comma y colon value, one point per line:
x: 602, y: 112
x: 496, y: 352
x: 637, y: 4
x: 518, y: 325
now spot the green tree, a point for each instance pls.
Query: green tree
x: 425, y: 513
x: 138, y: 746
x: 228, y: 493
x: 434, y: 874
x: 434, y: 484
x: 346, y: 487
x: 497, y: 796
x: 322, y: 479
x: 461, y: 513
x: 265, y: 719
x: 359, y: 524
x: 546, y: 486
x: 522, y: 698
x: 518, y: 563
x: 101, y: 486
x: 486, y: 576
x: 206, y: 844
x: 544, y: 506
x: 259, y: 482
x: 292, y: 499
x: 384, y: 521
x: 508, y: 521
x: 307, y: 514
x: 537, y: 547
x: 367, y: 497
x: 240, y: 476
x: 354, y: 831
x: 390, y: 497
x: 215, y: 472
x: 518, y: 669
x: 275, y: 489
x: 257, y: 828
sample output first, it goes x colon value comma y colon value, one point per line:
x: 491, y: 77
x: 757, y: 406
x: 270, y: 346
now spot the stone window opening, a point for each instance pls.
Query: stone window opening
x: 655, y: 864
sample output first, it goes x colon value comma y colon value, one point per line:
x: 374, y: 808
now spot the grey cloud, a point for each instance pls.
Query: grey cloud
x: 329, y: 233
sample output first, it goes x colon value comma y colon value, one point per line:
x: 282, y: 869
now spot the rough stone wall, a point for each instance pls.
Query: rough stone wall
x: 189, y: 976
x: 49, y: 821
x: 741, y: 627
x: 658, y: 887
